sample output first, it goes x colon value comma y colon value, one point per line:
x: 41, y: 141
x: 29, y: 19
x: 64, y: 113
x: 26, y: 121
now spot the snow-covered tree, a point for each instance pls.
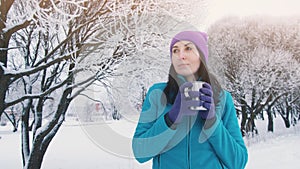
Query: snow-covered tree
x: 55, y: 37
x: 259, y: 61
x: 51, y: 51
x: 146, y: 37
x: 46, y: 50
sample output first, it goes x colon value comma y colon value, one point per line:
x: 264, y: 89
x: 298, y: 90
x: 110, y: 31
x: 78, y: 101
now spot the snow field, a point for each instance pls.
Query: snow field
x: 75, y: 146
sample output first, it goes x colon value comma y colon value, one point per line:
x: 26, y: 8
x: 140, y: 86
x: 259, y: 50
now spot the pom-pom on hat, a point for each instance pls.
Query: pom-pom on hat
x: 198, y: 38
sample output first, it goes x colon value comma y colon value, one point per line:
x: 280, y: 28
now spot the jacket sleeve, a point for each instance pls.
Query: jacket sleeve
x: 226, y: 139
x: 152, y: 133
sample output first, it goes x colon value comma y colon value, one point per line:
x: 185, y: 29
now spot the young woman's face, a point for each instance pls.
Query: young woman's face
x: 186, y: 59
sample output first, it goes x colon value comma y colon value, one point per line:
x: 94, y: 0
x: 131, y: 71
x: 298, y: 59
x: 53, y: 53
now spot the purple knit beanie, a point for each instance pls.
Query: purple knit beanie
x: 198, y: 38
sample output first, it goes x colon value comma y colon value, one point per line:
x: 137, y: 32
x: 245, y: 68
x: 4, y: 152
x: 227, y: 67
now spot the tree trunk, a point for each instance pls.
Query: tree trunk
x: 35, y: 160
x: 287, y: 119
x: 253, y: 129
x: 25, y: 132
x: 250, y: 125
x: 244, y: 117
x: 270, y: 121
x: 4, y: 81
x: 38, y: 116
x: 43, y: 138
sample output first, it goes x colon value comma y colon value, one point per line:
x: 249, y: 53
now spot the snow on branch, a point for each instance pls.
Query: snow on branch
x: 57, y: 12
x: 39, y: 95
x: 18, y: 74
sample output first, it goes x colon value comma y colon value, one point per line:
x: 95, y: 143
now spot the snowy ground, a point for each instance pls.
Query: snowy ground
x: 77, y: 146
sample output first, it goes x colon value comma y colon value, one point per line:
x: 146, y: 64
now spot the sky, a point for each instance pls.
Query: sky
x: 220, y: 8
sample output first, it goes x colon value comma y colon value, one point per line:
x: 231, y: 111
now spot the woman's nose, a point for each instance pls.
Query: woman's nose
x: 182, y: 55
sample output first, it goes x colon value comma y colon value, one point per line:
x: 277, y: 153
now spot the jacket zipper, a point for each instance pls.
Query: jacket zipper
x: 188, y: 142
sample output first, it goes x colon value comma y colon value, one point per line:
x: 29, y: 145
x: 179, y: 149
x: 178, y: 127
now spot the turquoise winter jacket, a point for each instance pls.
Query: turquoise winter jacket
x: 189, y: 145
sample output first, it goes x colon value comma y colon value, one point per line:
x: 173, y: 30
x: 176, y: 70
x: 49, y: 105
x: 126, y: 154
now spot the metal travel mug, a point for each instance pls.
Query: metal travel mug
x: 196, y: 86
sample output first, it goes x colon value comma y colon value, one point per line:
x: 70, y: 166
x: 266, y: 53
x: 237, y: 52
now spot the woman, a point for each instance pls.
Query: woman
x: 178, y: 137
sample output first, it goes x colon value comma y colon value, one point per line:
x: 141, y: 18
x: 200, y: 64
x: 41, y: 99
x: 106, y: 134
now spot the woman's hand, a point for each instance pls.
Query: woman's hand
x: 207, y: 101
x: 182, y: 105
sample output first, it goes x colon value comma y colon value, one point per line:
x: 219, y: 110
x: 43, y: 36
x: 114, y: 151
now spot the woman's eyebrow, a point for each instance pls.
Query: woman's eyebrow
x: 189, y: 43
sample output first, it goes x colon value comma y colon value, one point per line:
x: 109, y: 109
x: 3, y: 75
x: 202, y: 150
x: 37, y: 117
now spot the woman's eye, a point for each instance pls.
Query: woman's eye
x: 175, y: 51
x: 188, y: 48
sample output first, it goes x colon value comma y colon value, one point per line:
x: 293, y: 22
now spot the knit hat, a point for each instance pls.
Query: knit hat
x: 198, y: 38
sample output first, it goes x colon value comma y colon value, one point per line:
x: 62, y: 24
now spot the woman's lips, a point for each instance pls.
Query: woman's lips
x: 183, y: 65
